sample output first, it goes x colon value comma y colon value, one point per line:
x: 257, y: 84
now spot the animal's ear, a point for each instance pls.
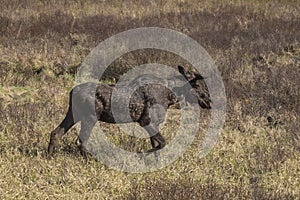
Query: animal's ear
x: 187, y: 74
x: 199, y: 76
x: 181, y: 69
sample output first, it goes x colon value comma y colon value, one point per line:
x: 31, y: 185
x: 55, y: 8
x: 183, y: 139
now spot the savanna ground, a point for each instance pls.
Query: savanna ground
x: 255, y: 45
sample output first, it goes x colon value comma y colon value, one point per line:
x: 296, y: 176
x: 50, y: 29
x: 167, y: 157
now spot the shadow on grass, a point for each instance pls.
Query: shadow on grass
x: 189, y: 189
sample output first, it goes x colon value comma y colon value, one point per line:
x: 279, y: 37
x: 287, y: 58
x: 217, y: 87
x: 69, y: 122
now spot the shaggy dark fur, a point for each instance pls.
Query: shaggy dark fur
x: 88, y: 106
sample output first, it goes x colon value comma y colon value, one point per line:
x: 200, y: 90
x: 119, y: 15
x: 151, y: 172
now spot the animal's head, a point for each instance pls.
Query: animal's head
x: 198, y: 92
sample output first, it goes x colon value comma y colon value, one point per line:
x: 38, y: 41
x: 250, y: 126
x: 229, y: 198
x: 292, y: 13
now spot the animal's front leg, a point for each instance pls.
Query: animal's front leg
x: 150, y: 120
x: 157, y: 142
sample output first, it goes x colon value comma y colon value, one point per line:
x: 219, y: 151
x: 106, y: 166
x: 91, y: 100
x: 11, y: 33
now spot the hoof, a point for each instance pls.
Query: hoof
x: 84, y: 152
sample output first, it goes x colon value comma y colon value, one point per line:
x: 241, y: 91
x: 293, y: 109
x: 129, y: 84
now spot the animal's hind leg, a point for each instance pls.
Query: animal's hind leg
x: 62, y: 128
x: 85, y: 132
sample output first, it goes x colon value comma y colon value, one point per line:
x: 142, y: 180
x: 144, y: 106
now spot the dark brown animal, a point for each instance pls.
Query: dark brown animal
x: 91, y: 102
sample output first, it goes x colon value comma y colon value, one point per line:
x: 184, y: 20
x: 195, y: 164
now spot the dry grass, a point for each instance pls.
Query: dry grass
x: 256, y: 47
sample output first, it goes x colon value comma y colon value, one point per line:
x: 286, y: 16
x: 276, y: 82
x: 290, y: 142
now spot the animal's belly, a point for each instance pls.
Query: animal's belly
x: 135, y: 113
x: 107, y: 116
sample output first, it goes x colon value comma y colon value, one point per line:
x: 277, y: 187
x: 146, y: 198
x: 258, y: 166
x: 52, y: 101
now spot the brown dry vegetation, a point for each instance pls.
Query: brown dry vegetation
x: 256, y: 47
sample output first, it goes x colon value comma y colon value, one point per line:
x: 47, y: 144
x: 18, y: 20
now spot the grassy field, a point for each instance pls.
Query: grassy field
x: 255, y: 45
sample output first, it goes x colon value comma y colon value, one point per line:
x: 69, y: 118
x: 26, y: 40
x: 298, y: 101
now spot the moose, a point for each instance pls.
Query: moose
x: 91, y: 102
